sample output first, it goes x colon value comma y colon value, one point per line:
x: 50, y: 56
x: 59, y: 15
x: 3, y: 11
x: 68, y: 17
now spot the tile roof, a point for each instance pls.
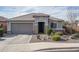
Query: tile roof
x: 55, y: 19
x: 28, y: 16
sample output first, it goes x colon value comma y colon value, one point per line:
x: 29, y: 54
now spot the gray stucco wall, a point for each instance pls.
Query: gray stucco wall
x: 41, y: 19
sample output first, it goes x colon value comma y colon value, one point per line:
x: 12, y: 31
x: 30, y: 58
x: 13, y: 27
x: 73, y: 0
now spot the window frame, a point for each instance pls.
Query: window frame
x: 53, y: 25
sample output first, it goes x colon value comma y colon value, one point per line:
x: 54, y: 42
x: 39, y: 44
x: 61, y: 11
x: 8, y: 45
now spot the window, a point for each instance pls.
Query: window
x: 53, y: 25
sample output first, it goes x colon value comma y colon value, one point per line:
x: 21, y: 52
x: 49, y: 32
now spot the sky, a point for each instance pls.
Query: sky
x: 55, y: 11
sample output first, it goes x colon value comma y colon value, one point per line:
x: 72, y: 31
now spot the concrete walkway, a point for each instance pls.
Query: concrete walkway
x: 38, y: 46
x: 46, y: 45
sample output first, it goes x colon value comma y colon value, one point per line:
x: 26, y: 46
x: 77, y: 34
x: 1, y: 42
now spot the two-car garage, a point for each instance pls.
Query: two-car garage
x: 22, y: 28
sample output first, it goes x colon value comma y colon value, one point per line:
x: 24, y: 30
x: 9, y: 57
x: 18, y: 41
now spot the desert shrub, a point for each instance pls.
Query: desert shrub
x: 72, y: 31
x: 49, y: 31
x: 52, y: 34
x: 75, y: 36
x: 59, y: 33
x: 56, y: 37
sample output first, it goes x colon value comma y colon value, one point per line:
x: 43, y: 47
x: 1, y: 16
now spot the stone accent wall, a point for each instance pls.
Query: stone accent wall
x: 46, y: 27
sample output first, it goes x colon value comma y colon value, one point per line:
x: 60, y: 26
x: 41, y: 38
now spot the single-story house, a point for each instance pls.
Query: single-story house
x: 33, y: 23
x: 3, y: 23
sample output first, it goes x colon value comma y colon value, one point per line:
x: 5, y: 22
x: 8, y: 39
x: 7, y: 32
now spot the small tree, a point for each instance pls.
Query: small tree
x: 1, y: 32
x: 72, y: 14
x: 49, y: 31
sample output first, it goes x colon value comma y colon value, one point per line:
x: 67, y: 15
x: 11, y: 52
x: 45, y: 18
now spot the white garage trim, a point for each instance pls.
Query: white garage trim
x: 22, y: 22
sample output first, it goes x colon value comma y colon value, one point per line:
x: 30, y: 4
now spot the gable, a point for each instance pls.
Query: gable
x: 28, y: 16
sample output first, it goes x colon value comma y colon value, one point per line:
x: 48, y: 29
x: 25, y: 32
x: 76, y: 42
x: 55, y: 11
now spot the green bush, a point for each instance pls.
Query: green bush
x: 75, y: 36
x: 59, y: 33
x: 56, y: 37
x: 1, y: 32
x: 49, y: 31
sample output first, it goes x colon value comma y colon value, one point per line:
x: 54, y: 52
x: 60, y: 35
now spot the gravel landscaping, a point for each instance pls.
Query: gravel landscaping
x: 67, y: 39
x: 43, y: 39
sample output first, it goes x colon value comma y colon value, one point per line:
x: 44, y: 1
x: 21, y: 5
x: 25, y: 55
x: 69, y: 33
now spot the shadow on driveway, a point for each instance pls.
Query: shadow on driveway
x: 10, y: 35
x: 2, y: 39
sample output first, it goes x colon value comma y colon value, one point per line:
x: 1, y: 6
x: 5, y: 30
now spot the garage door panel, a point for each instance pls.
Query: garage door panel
x: 22, y: 28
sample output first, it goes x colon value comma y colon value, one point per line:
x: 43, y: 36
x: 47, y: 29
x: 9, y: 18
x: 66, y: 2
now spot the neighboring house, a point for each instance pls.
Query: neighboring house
x: 3, y: 23
x: 34, y: 23
x: 74, y: 26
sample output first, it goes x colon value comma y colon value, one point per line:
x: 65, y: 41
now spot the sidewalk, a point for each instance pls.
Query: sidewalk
x: 37, y: 46
x: 46, y: 45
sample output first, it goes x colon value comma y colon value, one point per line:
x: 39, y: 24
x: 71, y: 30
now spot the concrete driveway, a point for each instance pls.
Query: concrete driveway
x: 14, y: 40
x: 21, y: 39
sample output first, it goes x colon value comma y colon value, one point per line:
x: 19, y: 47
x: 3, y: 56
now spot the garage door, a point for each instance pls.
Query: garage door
x: 22, y: 28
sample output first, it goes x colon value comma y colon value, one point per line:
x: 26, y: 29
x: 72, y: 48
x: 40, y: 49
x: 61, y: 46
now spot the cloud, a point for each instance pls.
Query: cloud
x: 55, y: 11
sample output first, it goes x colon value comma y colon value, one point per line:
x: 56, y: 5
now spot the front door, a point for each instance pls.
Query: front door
x: 40, y: 27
